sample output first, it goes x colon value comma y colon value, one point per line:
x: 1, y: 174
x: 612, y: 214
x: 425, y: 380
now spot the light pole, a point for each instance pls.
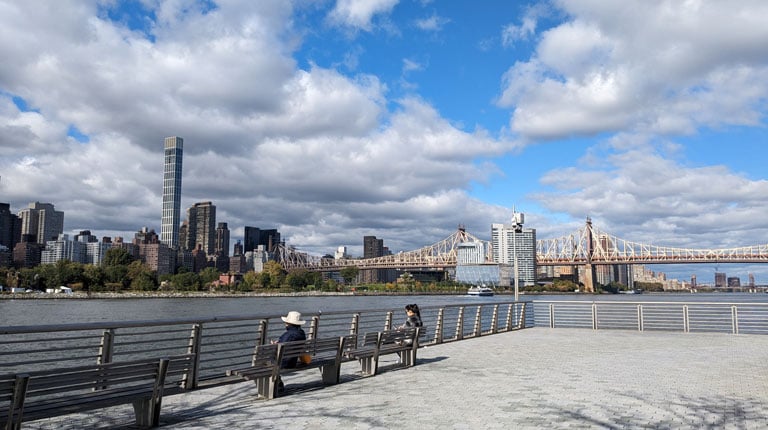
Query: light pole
x: 517, y: 220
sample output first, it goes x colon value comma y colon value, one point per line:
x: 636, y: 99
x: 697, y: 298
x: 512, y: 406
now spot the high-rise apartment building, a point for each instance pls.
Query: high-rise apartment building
x: 510, y: 239
x: 372, y: 248
x: 222, y: 240
x: 152, y: 252
x: 43, y: 221
x: 720, y: 280
x: 255, y: 236
x: 169, y: 231
x: 201, y: 227
x: 10, y: 227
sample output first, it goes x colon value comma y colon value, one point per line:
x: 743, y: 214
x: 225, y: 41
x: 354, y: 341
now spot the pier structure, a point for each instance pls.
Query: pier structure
x: 583, y: 365
x: 530, y: 379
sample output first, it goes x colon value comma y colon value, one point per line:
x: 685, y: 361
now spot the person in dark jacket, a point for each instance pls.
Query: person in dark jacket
x: 414, y: 316
x: 293, y: 331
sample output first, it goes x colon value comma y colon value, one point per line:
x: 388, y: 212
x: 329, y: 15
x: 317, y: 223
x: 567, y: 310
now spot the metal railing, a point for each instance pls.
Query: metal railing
x: 735, y: 318
x: 223, y: 343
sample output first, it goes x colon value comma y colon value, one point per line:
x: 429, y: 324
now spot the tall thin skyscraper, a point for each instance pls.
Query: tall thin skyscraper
x: 169, y: 232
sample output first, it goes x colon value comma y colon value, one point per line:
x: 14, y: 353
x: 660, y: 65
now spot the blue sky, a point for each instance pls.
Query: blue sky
x: 331, y: 120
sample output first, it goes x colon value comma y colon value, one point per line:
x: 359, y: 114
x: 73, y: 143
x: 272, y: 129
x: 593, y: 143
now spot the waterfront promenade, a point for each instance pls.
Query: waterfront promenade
x: 532, y: 378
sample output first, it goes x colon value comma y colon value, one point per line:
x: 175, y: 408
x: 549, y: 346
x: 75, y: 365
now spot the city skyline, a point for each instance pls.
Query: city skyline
x: 197, y: 230
x: 330, y: 121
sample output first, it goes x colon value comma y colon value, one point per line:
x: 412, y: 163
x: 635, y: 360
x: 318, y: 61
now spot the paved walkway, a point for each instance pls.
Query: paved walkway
x: 534, y: 378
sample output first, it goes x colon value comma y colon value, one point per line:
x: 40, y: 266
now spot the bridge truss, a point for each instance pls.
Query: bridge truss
x: 587, y: 245
x: 436, y: 256
x: 590, y: 246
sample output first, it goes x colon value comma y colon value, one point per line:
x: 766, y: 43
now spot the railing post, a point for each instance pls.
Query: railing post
x: 495, y: 319
x: 639, y: 317
x: 388, y: 322
x: 354, y: 328
x: 313, y: 327
x: 262, y: 333
x: 439, y: 326
x: 521, y: 315
x: 735, y: 319
x: 460, y: 324
x: 107, y: 347
x: 510, y: 315
x: 686, y: 322
x: 189, y: 380
x: 551, y: 315
x: 478, y: 328
x: 594, y: 316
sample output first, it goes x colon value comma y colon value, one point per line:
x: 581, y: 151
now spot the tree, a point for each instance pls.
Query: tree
x: 117, y: 257
x: 297, y: 279
x: 262, y: 279
x: 140, y: 276
x: 276, y: 273
x: 186, y: 282
x: 208, y: 275
x: 349, y: 273
x: 93, y: 277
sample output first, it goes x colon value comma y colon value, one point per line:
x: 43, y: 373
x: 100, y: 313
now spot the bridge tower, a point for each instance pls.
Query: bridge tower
x: 589, y: 269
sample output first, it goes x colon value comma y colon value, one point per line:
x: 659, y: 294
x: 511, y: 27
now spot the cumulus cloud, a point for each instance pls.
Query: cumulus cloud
x: 657, y: 67
x: 358, y: 14
x: 310, y: 151
x: 645, y: 196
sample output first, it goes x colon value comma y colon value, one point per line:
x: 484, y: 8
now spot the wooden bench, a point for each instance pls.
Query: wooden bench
x: 267, y: 363
x: 403, y: 342
x: 51, y: 393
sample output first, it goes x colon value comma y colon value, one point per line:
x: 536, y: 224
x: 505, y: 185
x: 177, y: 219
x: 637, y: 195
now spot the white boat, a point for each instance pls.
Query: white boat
x: 479, y: 291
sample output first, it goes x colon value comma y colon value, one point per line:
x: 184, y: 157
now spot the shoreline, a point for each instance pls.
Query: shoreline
x: 216, y: 295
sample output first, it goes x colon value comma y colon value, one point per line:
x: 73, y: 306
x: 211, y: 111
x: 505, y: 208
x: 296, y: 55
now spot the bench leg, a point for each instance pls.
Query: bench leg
x: 144, y: 411
x: 370, y: 365
x: 267, y: 387
x: 330, y: 374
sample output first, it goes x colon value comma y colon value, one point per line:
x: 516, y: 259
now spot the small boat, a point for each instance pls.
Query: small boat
x: 479, y: 291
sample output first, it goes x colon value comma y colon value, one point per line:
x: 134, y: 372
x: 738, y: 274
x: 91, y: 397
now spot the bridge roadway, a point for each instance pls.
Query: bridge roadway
x: 533, y: 378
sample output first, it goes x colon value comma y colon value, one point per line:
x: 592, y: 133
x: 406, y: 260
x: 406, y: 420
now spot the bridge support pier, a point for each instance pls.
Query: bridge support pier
x: 588, y: 280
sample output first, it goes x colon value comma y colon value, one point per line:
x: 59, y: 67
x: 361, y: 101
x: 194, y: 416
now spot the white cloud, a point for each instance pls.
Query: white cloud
x: 512, y: 33
x: 432, y: 23
x: 643, y: 196
x: 312, y: 152
x: 662, y: 67
x: 358, y: 14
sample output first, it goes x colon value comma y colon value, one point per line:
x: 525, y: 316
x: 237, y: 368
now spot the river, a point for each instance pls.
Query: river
x: 55, y: 311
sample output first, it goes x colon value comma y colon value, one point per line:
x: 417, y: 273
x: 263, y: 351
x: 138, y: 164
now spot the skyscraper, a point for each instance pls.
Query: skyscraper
x: 201, y: 227
x: 508, y: 240
x: 43, y: 221
x: 255, y: 236
x: 222, y: 239
x: 10, y: 227
x: 169, y: 232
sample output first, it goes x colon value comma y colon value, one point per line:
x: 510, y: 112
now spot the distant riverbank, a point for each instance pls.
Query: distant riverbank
x: 201, y: 294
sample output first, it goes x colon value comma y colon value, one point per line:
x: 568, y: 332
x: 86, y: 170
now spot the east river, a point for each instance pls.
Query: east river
x: 63, y: 311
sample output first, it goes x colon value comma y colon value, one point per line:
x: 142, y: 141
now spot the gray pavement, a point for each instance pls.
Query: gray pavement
x: 528, y: 379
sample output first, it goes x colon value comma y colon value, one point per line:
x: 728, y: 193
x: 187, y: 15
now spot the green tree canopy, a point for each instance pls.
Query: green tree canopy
x: 117, y: 257
x: 349, y: 274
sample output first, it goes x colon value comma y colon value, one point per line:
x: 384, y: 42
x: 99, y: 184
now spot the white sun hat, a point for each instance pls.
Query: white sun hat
x: 293, y: 318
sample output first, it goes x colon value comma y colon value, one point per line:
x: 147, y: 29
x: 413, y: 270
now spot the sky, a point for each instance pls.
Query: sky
x: 403, y: 119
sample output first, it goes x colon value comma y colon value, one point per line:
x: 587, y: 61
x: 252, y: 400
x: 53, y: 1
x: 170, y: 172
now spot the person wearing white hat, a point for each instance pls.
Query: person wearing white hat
x: 293, y: 332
